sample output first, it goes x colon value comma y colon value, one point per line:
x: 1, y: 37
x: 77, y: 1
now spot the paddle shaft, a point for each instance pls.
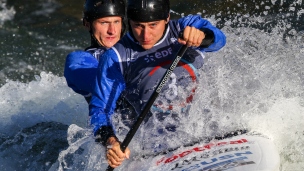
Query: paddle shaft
x: 153, y: 97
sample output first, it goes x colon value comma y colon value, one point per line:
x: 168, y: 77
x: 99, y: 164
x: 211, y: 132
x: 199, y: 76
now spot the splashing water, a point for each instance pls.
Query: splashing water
x: 245, y: 85
x: 255, y: 82
x: 6, y: 13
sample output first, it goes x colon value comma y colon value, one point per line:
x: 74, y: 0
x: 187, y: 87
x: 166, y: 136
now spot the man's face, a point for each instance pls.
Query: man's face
x: 148, y: 33
x: 107, y: 30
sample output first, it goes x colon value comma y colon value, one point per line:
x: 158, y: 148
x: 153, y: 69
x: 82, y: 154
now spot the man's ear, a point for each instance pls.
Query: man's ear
x: 168, y: 19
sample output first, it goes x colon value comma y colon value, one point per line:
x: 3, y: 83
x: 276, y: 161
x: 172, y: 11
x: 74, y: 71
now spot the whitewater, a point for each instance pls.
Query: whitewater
x: 256, y: 82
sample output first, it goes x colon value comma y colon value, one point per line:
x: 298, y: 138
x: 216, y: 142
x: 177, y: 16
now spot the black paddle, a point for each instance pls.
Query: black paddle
x: 145, y: 111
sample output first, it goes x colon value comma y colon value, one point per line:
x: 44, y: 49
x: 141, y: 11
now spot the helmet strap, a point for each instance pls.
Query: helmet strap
x: 94, y: 41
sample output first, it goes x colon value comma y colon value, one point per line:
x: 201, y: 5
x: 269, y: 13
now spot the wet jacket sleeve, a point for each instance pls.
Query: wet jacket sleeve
x: 80, y: 71
x: 215, y: 36
x: 108, y: 85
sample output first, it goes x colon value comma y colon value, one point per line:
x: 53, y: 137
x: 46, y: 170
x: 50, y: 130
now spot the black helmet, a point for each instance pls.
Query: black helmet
x: 94, y: 9
x: 148, y: 10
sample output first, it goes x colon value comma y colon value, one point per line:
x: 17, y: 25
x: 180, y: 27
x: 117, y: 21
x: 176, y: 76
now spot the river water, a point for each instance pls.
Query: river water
x: 255, y: 82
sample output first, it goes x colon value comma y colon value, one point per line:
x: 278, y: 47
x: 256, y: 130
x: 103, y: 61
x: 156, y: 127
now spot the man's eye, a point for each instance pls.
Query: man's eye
x: 153, y: 25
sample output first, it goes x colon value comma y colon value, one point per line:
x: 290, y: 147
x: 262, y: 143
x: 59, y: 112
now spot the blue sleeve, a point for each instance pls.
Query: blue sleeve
x: 107, y: 87
x: 80, y: 71
x: 198, y: 22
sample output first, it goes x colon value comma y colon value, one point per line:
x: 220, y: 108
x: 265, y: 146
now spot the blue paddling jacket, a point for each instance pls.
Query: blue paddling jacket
x: 80, y: 70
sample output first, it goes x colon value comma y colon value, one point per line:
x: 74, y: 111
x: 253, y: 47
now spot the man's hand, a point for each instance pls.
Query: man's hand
x: 192, y: 37
x: 115, y: 156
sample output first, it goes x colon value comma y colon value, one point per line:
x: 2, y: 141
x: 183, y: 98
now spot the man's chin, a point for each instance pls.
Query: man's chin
x: 109, y: 44
x: 147, y: 46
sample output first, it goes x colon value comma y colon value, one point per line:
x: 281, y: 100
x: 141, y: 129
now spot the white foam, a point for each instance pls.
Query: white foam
x: 46, y: 99
x: 47, y: 7
x: 283, y: 123
x: 6, y: 13
x: 255, y: 82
